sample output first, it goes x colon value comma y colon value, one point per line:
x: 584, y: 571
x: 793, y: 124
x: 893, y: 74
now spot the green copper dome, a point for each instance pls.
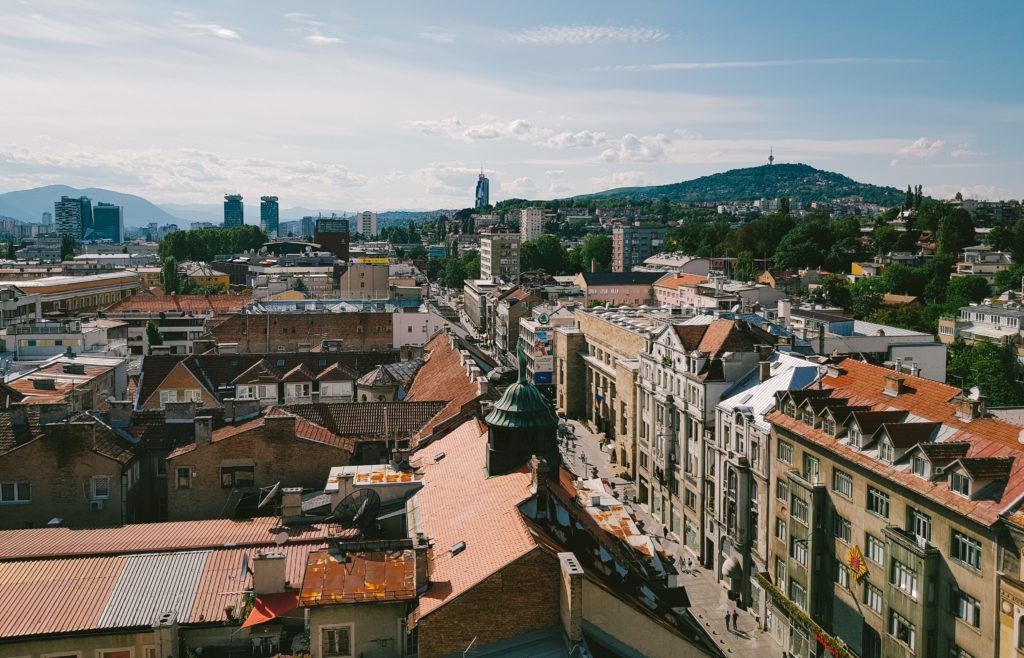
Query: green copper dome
x: 522, y: 406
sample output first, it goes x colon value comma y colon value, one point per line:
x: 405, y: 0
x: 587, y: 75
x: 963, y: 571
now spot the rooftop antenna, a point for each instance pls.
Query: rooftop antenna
x: 771, y: 155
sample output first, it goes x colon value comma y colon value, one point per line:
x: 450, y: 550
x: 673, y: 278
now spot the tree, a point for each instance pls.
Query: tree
x: 784, y: 205
x: 956, y: 231
x: 836, y: 291
x: 904, y: 280
x: 994, y: 369
x: 1010, y: 279
x: 417, y: 252
x: 596, y: 253
x: 300, y: 286
x: 866, y: 297
x: 908, y: 202
x: 67, y: 247
x: 545, y: 254
x: 153, y: 336
x: 963, y: 290
x: 170, y: 281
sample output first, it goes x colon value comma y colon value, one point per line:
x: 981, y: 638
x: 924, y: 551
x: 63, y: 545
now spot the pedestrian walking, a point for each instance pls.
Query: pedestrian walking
x: 727, y: 618
x: 735, y: 618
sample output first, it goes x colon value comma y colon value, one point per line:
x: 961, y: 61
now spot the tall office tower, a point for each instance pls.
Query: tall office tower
x: 531, y: 223
x: 366, y: 223
x: 234, y: 213
x: 331, y: 233
x: 306, y: 224
x: 108, y: 222
x: 47, y: 219
x: 269, y: 215
x: 74, y: 217
x: 483, y: 191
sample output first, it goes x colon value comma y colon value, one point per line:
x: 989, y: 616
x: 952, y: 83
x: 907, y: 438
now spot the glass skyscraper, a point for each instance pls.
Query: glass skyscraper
x: 108, y: 222
x: 74, y: 217
x: 483, y: 191
x: 234, y: 213
x: 269, y: 215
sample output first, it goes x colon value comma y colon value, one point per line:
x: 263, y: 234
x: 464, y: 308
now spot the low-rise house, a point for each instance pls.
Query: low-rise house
x: 667, y: 291
x: 983, y: 261
x: 180, y: 319
x: 996, y: 321
x: 85, y: 383
x: 617, y: 288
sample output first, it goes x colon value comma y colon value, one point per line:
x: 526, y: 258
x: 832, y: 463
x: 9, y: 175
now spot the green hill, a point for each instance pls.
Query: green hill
x: 796, y: 181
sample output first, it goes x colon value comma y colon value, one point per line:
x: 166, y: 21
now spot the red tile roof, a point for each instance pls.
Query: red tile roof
x: 680, y: 280
x: 304, y: 430
x: 443, y: 377
x: 197, y: 304
x: 460, y: 503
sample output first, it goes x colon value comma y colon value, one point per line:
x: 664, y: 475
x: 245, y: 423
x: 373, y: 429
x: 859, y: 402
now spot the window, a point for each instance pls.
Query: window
x: 829, y: 426
x: 903, y: 578
x: 873, y: 597
x: 168, y: 396
x: 966, y: 550
x: 808, y: 417
x: 298, y: 390
x: 798, y: 594
x: 842, y: 483
x: 875, y: 549
x: 15, y: 492
x: 193, y: 395
x: 885, y: 451
x: 99, y: 487
x: 957, y: 652
x: 919, y: 524
x: 691, y: 499
x: 336, y: 641
x: 798, y: 550
x: 784, y: 452
x: 856, y: 439
x: 237, y: 476
x: 782, y: 490
x: 780, y: 573
x: 960, y: 483
x: 812, y: 469
x: 149, y: 652
x: 183, y: 477
x: 919, y: 466
x: 902, y: 630
x: 968, y: 609
x: 244, y: 392
x: 781, y: 531
x: 843, y: 530
x: 268, y: 391
x: 790, y: 409
x: 878, y: 503
x: 115, y: 653
x: 842, y: 574
x: 798, y: 509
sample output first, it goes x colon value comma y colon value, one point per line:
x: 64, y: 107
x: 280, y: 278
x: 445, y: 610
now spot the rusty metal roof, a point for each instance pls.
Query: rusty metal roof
x: 365, y: 577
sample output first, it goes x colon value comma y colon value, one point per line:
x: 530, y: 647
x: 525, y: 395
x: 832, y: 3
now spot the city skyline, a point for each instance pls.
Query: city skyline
x: 363, y: 108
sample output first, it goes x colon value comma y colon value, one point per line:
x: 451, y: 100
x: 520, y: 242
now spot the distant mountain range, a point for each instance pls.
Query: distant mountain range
x: 29, y: 205
x: 796, y: 181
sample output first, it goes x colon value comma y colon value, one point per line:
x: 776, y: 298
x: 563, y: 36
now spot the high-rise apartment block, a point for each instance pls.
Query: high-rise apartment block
x: 499, y: 256
x: 366, y: 223
x: 234, y: 212
x: 108, y: 222
x: 531, y: 223
x: 631, y: 245
x: 483, y: 191
x: 269, y: 215
x: 74, y: 216
x: 331, y: 233
x: 47, y: 219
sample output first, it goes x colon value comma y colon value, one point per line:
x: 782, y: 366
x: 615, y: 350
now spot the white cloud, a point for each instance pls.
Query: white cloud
x: 964, y: 152
x: 515, y: 129
x: 632, y: 148
x: 580, y: 139
x: 436, y: 34
x: 523, y: 188
x: 430, y: 127
x: 447, y: 179
x: 922, y: 148
x: 755, y: 64
x: 620, y: 179
x: 212, y: 30
x: 575, y: 35
x: 321, y: 40
x: 557, y: 185
x: 981, y: 192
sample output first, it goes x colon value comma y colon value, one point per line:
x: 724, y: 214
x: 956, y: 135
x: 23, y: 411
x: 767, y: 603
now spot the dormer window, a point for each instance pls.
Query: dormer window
x: 885, y: 451
x: 960, y: 483
x: 828, y: 426
x: 919, y: 466
x: 790, y: 409
x: 856, y: 438
x: 808, y: 417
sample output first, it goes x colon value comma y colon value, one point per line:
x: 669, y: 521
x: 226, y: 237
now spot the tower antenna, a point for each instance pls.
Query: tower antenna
x: 771, y: 155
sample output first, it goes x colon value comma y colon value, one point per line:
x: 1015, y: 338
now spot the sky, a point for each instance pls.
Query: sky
x: 398, y: 105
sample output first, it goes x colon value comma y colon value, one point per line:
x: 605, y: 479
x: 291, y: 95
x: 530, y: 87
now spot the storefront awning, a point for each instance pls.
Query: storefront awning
x: 271, y: 606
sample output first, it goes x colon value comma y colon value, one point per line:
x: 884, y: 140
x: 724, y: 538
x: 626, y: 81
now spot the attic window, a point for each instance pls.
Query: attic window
x: 960, y: 483
x: 855, y: 437
x: 790, y: 409
x: 458, y: 548
x: 885, y: 451
x: 828, y: 426
x: 919, y: 465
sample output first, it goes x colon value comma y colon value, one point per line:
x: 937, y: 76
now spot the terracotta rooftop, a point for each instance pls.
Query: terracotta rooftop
x: 366, y: 419
x: 461, y: 504
x: 443, y: 377
x: 680, y: 280
x: 358, y: 577
x: 304, y: 430
x: 195, y: 304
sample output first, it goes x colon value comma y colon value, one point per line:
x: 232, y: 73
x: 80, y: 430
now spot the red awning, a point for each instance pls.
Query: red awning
x: 271, y: 606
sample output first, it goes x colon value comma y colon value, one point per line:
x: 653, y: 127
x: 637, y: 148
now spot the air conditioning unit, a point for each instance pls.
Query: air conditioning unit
x: 96, y: 505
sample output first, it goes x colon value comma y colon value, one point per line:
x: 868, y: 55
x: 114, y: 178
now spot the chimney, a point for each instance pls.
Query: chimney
x: 291, y: 502
x: 18, y: 414
x: 422, y: 553
x: 204, y: 430
x: 968, y: 408
x: 268, y: 573
x: 179, y: 412
x: 236, y: 410
x: 280, y: 426
x: 570, y: 600
x: 893, y: 385
x: 120, y: 413
x: 52, y: 413
x: 764, y: 371
x: 785, y: 306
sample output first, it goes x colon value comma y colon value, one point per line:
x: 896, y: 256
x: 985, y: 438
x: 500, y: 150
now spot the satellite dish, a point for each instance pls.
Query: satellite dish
x: 281, y: 538
x: 358, y: 509
x: 270, y: 495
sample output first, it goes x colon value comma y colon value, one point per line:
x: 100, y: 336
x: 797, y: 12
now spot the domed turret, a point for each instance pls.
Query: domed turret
x: 522, y: 423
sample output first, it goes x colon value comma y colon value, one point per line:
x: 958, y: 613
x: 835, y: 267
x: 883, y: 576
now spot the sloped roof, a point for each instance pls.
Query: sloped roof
x: 259, y: 372
x: 379, y: 376
x: 460, y: 503
x: 300, y: 373
x: 366, y: 577
x: 195, y: 304
x: 620, y: 278
x: 987, y: 468
x: 680, y: 280
x: 366, y: 419
x: 304, y: 431
x: 443, y: 377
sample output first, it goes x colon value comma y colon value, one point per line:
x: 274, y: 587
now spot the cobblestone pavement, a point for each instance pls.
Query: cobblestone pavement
x: 708, y: 600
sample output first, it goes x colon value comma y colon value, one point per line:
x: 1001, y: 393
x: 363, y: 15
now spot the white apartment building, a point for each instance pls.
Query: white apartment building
x: 531, y: 223
x: 499, y: 256
x: 366, y: 223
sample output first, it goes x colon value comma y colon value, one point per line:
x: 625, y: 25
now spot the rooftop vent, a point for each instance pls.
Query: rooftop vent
x: 44, y: 384
x: 438, y: 457
x: 893, y: 385
x: 458, y: 548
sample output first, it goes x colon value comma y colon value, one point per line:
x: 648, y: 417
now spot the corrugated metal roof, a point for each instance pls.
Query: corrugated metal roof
x: 152, y: 584
x: 55, y: 596
x: 787, y: 373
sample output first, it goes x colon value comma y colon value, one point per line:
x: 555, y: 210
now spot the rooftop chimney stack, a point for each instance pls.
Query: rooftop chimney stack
x: 764, y: 371
x: 120, y: 413
x: 204, y: 430
x: 268, y: 573
x: 571, y: 597
x: 291, y: 502
x: 893, y: 385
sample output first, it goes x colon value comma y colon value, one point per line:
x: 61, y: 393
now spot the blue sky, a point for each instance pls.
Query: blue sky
x: 398, y: 105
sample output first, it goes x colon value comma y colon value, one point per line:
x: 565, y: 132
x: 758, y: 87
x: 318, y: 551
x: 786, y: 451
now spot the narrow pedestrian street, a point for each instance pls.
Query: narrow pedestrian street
x: 709, y: 602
